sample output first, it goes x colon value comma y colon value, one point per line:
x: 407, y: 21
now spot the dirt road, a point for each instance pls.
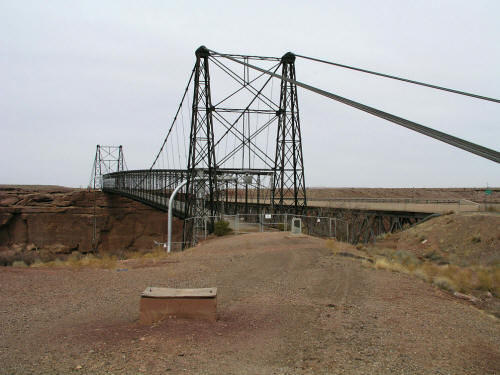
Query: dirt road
x: 285, y: 306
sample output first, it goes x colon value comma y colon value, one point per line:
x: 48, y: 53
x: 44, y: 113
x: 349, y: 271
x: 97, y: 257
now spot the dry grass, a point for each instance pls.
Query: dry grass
x: 331, y: 244
x: 78, y: 261
x: 448, y: 277
x: 383, y: 263
x: 19, y: 263
x: 444, y: 283
x: 106, y: 261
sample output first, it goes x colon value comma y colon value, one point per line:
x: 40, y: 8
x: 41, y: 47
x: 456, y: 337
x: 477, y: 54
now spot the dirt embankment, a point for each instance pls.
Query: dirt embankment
x: 457, y: 252
x: 463, y: 239
x: 47, y: 222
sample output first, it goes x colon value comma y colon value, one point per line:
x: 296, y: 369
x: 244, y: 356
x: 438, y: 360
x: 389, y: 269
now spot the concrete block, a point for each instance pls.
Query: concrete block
x: 163, y: 303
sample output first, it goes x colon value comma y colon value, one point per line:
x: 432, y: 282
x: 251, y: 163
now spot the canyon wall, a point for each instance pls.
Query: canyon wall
x: 48, y: 222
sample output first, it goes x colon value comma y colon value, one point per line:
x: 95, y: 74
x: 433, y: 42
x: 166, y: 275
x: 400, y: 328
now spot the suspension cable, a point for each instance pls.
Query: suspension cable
x: 444, y: 137
x: 175, y: 117
x: 402, y: 79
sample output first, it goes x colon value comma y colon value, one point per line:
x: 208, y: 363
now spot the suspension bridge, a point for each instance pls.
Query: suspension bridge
x: 238, y: 148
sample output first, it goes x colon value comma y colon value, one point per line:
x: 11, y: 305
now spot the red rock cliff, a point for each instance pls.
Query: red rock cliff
x: 46, y: 221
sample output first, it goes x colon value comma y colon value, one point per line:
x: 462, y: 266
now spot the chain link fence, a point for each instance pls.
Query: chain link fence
x: 318, y: 226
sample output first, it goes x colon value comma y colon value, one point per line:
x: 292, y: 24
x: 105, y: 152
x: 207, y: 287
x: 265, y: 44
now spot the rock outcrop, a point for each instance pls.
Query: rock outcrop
x: 37, y: 222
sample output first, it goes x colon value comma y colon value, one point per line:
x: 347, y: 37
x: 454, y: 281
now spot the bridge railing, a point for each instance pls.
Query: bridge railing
x: 152, y: 187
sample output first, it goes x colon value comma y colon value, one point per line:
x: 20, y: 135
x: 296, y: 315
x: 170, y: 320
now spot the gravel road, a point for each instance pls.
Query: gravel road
x: 286, y: 305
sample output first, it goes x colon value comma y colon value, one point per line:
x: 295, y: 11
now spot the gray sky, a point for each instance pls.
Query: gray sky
x: 74, y: 74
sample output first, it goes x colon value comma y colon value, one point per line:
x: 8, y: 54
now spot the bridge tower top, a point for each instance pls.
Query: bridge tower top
x: 202, y: 52
x: 288, y: 58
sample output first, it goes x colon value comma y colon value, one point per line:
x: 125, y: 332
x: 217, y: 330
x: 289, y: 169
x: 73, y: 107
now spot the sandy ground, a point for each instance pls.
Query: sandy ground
x: 285, y: 306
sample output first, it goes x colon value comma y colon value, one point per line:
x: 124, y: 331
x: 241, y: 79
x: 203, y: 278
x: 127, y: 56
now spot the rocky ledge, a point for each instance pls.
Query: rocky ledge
x: 48, y: 222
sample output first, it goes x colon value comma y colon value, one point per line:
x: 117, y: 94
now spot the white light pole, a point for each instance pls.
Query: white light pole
x: 170, y: 203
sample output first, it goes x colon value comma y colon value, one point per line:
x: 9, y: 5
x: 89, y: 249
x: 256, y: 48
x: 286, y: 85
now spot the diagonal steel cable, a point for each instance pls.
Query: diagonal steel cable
x: 402, y: 79
x: 436, y: 134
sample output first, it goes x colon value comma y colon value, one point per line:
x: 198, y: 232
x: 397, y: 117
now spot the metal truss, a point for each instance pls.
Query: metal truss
x: 108, y: 159
x: 202, y: 179
x: 289, y: 189
x: 205, y: 195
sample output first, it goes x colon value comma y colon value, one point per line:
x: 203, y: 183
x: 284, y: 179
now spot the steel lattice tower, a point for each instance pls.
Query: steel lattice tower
x: 289, y: 189
x: 201, y: 200
x: 107, y: 159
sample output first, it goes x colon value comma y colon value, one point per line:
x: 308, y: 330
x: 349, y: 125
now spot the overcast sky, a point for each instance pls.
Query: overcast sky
x: 74, y: 74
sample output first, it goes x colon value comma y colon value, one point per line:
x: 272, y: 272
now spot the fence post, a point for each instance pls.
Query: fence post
x: 330, y: 227
x: 237, y: 224
x: 260, y: 221
x: 205, y: 226
x: 335, y: 222
x: 286, y: 221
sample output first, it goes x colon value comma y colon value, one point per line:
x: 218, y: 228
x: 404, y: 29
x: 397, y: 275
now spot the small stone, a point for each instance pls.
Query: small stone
x: 466, y: 297
x: 79, y: 367
x: 142, y: 338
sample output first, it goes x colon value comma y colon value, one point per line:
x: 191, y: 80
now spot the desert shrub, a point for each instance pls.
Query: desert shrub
x: 383, y: 236
x: 107, y: 261
x: 221, y: 228
x: 406, y: 258
x: 463, y: 278
x: 19, y: 263
x: 6, y: 259
x: 449, y: 277
x: 485, y: 280
x: 37, y: 263
x: 444, y: 283
x: 421, y: 274
x: 87, y: 260
x: 57, y: 263
x: 330, y: 243
x: 383, y: 263
x: 77, y: 261
x: 496, y: 281
x: 430, y: 269
x: 365, y: 263
x: 433, y: 256
x: 476, y: 239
